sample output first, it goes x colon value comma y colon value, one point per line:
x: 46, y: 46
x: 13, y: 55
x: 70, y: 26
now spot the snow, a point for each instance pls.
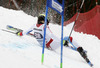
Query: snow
x: 25, y: 52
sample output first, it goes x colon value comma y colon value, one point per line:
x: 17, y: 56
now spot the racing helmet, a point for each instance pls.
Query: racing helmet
x: 41, y: 19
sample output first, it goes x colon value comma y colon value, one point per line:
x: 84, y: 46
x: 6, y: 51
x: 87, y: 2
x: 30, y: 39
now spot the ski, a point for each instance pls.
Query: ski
x: 75, y: 49
x: 11, y: 28
x: 8, y: 31
x: 90, y: 64
x: 88, y: 61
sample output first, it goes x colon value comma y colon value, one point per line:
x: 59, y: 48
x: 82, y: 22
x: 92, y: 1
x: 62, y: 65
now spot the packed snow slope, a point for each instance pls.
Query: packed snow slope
x: 25, y: 52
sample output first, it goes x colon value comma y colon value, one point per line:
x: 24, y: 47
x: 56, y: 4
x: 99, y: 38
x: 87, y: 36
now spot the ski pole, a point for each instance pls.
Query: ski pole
x: 76, y: 18
x: 8, y: 31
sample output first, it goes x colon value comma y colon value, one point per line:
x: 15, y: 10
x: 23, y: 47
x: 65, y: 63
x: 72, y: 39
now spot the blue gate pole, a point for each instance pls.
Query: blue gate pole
x: 42, y: 60
x: 62, y: 22
x: 62, y: 42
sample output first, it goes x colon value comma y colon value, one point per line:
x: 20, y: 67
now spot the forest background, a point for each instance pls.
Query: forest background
x: 36, y: 7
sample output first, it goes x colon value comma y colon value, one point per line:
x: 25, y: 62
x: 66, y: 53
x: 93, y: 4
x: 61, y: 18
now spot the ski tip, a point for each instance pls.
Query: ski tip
x: 90, y: 64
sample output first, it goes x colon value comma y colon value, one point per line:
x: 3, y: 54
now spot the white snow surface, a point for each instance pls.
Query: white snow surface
x: 25, y: 52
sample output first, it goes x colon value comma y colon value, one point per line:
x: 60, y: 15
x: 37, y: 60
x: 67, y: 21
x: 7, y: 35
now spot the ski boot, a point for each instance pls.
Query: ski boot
x: 82, y: 52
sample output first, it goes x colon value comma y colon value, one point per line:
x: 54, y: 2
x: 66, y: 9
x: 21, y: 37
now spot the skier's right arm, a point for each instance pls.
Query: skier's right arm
x: 25, y: 32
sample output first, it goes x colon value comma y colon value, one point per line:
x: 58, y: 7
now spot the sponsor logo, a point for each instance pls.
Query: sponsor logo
x: 57, y: 6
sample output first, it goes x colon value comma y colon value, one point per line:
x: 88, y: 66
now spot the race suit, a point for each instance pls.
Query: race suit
x: 37, y: 30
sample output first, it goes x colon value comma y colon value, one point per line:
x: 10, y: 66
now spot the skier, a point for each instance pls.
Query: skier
x: 37, y: 29
x: 52, y: 42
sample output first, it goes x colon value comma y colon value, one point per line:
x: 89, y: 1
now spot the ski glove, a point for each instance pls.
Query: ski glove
x: 19, y: 34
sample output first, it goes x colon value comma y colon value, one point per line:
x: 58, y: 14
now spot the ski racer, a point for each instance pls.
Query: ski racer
x: 52, y: 42
x: 37, y: 29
